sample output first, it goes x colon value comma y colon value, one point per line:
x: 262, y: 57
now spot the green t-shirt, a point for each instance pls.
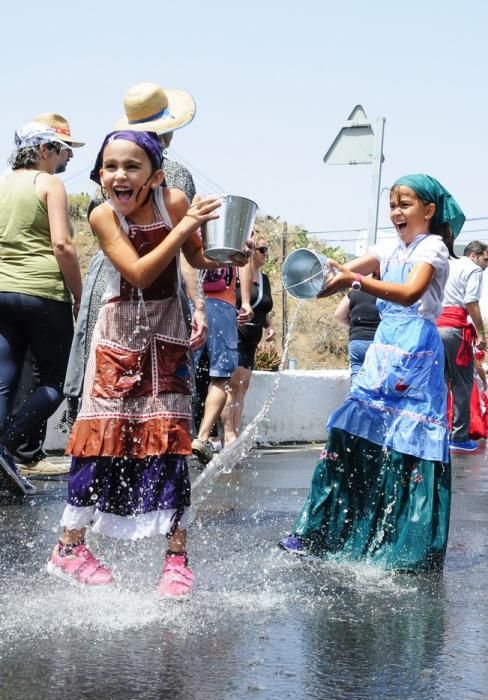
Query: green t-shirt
x: 27, y: 262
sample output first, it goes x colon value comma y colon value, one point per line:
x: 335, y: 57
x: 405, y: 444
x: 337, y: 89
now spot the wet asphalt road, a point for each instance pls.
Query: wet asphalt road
x: 261, y: 624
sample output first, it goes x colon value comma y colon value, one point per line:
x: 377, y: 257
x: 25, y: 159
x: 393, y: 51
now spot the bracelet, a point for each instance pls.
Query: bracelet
x: 356, y: 283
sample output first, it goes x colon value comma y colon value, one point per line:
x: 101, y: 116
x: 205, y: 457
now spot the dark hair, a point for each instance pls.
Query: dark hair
x: 29, y: 157
x: 445, y: 232
x: 98, y: 198
x: 476, y: 247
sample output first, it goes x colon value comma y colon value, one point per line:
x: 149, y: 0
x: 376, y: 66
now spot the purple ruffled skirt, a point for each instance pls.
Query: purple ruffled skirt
x: 128, y: 498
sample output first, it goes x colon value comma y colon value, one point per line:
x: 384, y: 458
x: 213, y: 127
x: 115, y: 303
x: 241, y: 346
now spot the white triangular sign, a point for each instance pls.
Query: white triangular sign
x: 354, y: 143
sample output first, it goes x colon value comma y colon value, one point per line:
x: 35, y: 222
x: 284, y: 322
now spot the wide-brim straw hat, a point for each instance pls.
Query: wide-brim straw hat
x: 60, y: 126
x: 149, y: 107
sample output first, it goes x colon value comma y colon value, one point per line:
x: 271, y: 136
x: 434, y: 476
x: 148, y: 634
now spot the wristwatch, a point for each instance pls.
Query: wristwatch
x: 356, y: 283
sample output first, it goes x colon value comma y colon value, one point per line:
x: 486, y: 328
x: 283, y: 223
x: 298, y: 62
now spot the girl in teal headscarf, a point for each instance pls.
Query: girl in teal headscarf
x: 381, y: 489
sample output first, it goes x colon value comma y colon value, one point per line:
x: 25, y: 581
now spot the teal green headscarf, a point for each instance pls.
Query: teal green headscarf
x: 447, y: 210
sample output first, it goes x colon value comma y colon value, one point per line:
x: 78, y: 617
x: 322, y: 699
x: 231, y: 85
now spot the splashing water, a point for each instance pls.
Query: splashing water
x: 241, y: 447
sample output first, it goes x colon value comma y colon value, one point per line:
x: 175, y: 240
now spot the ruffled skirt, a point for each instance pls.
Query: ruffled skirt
x: 376, y: 504
x: 128, y: 498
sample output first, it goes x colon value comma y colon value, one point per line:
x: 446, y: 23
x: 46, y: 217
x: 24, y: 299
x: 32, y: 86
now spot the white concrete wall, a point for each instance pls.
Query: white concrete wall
x: 304, y: 401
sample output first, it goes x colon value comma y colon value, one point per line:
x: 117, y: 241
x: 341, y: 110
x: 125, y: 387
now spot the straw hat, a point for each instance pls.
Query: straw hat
x: 59, y: 125
x: 150, y: 108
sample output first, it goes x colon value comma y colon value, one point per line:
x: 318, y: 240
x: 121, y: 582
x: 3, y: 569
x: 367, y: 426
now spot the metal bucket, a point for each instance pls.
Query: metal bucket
x: 304, y: 273
x: 224, y: 238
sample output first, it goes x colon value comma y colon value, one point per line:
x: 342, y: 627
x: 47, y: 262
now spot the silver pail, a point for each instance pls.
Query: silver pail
x: 224, y: 238
x: 305, y: 273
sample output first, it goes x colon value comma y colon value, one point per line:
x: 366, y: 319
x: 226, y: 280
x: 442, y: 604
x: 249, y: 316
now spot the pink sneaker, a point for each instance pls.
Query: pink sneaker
x: 81, y: 567
x: 177, y: 578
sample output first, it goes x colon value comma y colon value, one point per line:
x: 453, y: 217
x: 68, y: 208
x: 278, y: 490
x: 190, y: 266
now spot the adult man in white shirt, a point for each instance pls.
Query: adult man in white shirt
x: 461, y: 329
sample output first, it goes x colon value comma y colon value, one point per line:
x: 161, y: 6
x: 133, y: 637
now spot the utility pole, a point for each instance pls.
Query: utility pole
x: 284, y: 295
x: 376, y: 160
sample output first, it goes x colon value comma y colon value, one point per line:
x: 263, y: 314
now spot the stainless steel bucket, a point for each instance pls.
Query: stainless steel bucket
x: 304, y: 273
x: 224, y: 238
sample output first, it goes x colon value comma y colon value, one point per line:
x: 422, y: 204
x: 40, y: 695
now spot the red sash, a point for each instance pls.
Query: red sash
x: 456, y: 317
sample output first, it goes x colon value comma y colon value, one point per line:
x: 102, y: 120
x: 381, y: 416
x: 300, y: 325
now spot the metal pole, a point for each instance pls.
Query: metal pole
x: 284, y: 296
x: 377, y: 158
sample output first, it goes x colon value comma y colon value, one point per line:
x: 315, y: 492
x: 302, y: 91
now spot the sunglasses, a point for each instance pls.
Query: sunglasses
x: 262, y: 249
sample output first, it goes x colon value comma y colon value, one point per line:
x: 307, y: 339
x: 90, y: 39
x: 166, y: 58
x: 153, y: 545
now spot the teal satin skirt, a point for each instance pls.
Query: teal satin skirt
x: 372, y: 503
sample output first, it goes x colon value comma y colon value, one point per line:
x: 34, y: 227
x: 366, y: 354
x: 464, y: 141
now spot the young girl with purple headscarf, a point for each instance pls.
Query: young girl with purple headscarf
x: 129, y: 476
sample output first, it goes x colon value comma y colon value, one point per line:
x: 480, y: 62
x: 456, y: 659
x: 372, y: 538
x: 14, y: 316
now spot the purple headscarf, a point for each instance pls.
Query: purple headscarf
x: 147, y: 140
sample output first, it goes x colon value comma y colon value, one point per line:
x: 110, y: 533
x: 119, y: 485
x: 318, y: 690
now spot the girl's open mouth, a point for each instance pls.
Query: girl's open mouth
x: 122, y: 194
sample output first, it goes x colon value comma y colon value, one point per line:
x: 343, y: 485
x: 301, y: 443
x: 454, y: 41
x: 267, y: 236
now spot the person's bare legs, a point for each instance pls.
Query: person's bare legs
x: 241, y: 385
x: 232, y: 413
x: 72, y: 536
x: 227, y: 415
x: 214, y: 405
x: 177, y: 541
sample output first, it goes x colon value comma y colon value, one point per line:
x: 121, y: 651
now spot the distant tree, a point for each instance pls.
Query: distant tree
x: 299, y: 239
x: 77, y: 206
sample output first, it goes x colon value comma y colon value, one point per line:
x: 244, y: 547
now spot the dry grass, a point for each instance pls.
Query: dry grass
x: 86, y: 244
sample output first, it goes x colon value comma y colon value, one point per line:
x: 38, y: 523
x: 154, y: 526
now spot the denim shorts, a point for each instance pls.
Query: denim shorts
x: 357, y: 351
x: 221, y: 338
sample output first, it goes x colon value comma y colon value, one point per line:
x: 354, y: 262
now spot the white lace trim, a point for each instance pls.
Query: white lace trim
x: 158, y: 522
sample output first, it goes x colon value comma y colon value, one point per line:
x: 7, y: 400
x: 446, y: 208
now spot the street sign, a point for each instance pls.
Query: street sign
x: 354, y: 143
x: 357, y: 143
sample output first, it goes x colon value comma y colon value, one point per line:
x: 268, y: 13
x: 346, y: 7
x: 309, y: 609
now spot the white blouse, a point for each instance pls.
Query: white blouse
x: 425, y: 248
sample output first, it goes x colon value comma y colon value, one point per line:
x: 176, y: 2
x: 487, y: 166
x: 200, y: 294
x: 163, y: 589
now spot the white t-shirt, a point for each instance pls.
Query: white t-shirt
x: 429, y: 249
x: 464, y: 284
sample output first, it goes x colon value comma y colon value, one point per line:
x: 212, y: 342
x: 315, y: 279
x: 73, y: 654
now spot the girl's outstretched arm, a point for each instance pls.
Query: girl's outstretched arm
x: 406, y: 294
x: 142, y: 271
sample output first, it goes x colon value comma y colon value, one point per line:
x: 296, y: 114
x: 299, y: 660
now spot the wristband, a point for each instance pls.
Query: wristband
x: 356, y: 283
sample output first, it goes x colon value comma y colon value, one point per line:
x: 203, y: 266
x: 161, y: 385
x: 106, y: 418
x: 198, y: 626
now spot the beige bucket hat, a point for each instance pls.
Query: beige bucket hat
x: 148, y: 107
x: 60, y: 126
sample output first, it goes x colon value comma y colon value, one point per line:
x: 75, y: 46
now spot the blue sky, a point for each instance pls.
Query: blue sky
x: 273, y: 82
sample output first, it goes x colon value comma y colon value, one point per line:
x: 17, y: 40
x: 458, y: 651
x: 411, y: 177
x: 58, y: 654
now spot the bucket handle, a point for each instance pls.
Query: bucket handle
x: 297, y: 284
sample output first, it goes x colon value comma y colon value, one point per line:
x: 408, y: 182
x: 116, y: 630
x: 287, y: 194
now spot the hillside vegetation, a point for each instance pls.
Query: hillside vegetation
x: 318, y: 341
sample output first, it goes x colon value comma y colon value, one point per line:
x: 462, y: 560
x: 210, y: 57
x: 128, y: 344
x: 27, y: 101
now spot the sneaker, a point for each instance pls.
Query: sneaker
x: 43, y: 468
x: 202, y: 450
x: 466, y: 446
x: 177, y: 578
x: 216, y: 445
x: 79, y: 568
x: 9, y: 476
x: 293, y: 544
